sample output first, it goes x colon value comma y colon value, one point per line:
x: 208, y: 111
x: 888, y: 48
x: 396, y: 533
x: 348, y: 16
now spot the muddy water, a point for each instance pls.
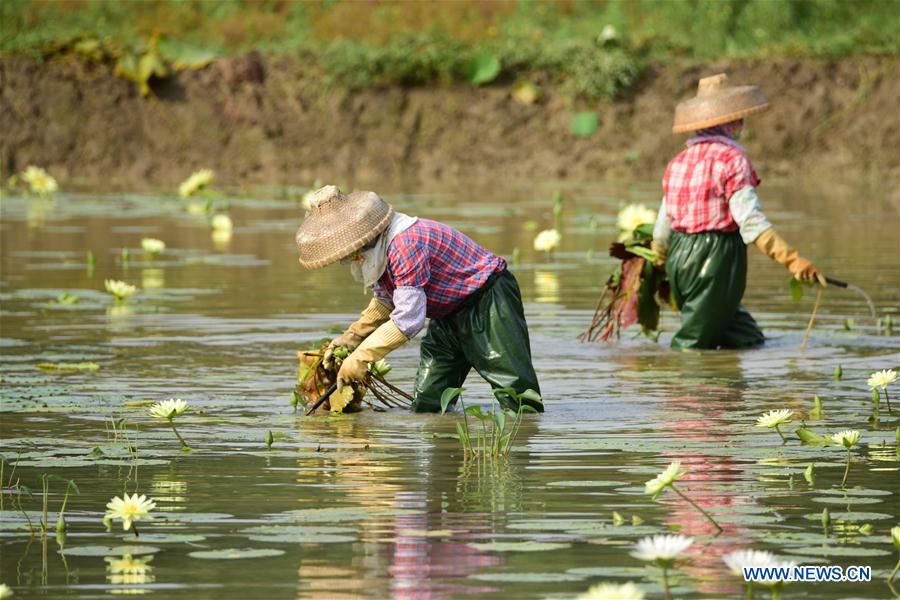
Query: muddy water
x: 381, y: 504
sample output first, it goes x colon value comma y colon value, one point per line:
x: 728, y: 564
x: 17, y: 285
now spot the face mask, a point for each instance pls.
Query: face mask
x: 736, y: 131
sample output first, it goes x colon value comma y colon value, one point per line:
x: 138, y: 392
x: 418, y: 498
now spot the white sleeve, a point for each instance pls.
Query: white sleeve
x: 747, y: 213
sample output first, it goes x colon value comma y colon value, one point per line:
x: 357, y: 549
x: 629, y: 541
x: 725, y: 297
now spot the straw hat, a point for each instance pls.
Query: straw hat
x: 338, y: 225
x: 717, y: 103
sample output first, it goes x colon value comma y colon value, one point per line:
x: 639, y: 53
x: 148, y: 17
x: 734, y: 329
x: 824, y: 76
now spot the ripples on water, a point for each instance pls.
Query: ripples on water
x: 381, y: 504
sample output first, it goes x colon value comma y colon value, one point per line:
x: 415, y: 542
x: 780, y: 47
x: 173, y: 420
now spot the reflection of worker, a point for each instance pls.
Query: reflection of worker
x: 710, y: 212
x: 419, y: 268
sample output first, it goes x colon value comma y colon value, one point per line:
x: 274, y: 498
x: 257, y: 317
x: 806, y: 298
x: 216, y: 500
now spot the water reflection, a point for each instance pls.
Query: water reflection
x: 127, y: 571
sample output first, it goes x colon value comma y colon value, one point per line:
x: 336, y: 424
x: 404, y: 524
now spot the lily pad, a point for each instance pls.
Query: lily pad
x: 81, y: 366
x: 527, y: 577
x: 584, y: 483
x: 837, y: 551
x: 109, y: 550
x: 848, y: 500
x: 233, y: 553
x: 850, y: 516
x: 529, y: 546
x: 171, y: 538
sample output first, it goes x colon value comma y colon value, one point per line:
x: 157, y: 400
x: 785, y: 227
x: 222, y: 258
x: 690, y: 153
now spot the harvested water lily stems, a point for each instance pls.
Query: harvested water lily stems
x: 812, y: 319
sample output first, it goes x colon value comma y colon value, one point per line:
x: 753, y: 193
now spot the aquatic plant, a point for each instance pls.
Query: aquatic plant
x: 129, y: 571
x: 825, y: 519
x: 737, y: 560
x: 662, y: 551
x: 129, y: 509
x: 838, y: 373
x: 547, y: 240
x: 881, y: 380
x: 895, y: 538
x: 39, y: 181
x: 121, y: 290
x: 5, y: 591
x: 558, y: 202
x: 169, y: 409
x: 222, y: 222
x: 196, y: 182
x: 847, y: 439
x: 613, y: 591
x: 809, y: 474
x: 631, y: 217
x: 152, y: 246
x: 667, y: 479
x: 61, y: 526
x: 774, y: 418
x: 498, y: 428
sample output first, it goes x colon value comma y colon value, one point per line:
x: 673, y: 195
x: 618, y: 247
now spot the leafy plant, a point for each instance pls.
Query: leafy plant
x: 483, y: 68
x: 498, y: 428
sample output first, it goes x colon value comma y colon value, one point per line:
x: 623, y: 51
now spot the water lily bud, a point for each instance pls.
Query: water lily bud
x: 617, y: 518
x: 636, y: 520
x: 270, y: 439
x: 295, y: 400
x: 810, y: 474
x: 895, y: 536
x: 838, y: 373
x: 817, y: 404
x: 888, y: 325
x: 61, y: 526
x: 826, y: 519
x: 866, y: 529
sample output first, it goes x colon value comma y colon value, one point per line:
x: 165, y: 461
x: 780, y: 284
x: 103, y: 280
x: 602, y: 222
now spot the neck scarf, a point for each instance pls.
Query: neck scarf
x: 373, y: 261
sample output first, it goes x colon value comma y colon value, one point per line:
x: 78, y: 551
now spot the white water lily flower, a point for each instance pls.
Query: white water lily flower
x: 881, y: 379
x: 633, y: 216
x: 129, y: 509
x: 747, y: 558
x: 662, y: 548
x: 197, y: 181
x: 664, y: 479
x: 39, y: 181
x: 547, y: 240
x: 153, y: 245
x: 5, y: 591
x: 895, y: 536
x: 847, y: 439
x: 168, y: 409
x: 773, y: 418
x: 222, y: 223
x: 613, y: 591
x: 120, y: 289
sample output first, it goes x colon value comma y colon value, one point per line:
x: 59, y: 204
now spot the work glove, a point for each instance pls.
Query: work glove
x: 375, y: 347
x: 369, y: 320
x: 661, y: 254
x: 774, y: 246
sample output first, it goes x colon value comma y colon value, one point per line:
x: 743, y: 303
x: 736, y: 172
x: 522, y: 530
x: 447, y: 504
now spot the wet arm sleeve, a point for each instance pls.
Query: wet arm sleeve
x: 747, y: 213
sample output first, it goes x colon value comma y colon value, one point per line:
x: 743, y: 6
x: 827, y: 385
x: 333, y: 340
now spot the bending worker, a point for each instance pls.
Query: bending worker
x: 419, y: 268
x: 710, y: 213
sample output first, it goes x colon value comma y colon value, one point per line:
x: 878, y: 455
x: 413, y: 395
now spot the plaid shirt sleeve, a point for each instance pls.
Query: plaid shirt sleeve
x: 737, y: 175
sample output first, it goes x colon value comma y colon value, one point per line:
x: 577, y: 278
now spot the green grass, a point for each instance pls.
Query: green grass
x: 360, y: 44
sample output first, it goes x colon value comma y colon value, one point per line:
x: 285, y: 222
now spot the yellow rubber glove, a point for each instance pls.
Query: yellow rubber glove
x: 369, y: 320
x: 375, y: 347
x: 774, y: 246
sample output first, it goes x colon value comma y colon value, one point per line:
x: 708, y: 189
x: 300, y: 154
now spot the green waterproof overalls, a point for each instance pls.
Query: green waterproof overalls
x: 487, y: 332
x: 708, y: 275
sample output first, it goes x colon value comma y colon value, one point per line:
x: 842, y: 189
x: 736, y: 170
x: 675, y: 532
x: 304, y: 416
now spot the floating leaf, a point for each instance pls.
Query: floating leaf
x: 837, y: 551
x: 527, y: 577
x: 529, y: 546
x: 233, y: 553
x: 585, y: 124
x: 483, y: 68
x: 81, y: 366
x: 169, y: 538
x: 108, y: 550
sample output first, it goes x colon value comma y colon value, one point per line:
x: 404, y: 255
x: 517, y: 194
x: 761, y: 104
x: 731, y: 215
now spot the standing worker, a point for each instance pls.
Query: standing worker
x: 710, y: 213
x: 419, y: 268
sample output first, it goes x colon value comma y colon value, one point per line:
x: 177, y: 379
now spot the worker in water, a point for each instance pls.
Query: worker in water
x: 418, y: 269
x: 710, y: 213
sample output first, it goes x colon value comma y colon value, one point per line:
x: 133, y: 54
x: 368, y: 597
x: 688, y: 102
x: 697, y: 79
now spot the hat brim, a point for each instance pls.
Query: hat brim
x: 721, y: 120
x: 346, y: 250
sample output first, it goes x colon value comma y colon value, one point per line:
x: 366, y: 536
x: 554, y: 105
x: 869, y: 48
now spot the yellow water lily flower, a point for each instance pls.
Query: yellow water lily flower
x: 5, y: 591
x: 222, y: 223
x: 168, y: 409
x: 895, y: 536
x: 120, y: 289
x: 129, y: 509
x: 672, y: 473
x: 39, y: 181
x: 197, y: 181
x: 662, y: 548
x: 128, y: 565
x: 633, y: 216
x: 881, y: 379
x: 153, y: 245
x: 773, y: 418
x: 847, y: 439
x: 613, y: 591
x: 547, y: 240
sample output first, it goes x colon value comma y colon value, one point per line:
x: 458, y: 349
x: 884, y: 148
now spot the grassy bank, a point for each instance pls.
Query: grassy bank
x: 591, y: 49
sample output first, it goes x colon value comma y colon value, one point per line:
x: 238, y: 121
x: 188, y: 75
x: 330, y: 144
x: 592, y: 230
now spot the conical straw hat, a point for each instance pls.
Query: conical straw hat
x: 716, y: 103
x: 337, y: 225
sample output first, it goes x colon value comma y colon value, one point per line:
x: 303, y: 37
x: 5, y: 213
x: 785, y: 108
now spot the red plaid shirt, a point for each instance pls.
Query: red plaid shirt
x: 442, y: 261
x: 699, y: 182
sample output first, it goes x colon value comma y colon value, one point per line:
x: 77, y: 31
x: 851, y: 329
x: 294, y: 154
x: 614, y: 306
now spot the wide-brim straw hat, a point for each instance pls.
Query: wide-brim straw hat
x: 337, y: 225
x: 717, y: 103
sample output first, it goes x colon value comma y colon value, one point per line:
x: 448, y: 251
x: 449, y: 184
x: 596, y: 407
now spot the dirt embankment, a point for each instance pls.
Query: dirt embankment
x: 258, y: 120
